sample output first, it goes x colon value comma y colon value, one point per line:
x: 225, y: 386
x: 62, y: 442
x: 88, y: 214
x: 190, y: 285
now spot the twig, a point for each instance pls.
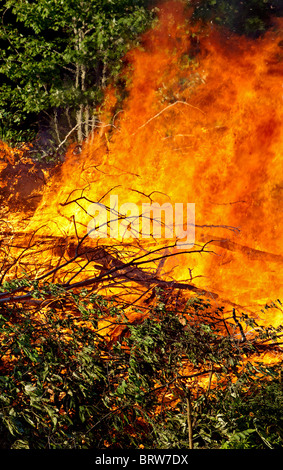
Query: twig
x: 166, y: 109
x: 209, y: 382
x: 244, y: 339
x: 73, y: 130
x: 189, y: 419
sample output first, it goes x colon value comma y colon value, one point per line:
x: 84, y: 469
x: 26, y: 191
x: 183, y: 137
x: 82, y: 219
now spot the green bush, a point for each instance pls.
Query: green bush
x: 64, y: 385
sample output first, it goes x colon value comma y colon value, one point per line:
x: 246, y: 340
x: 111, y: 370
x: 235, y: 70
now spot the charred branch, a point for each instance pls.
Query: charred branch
x: 113, y: 270
x: 247, y: 251
x: 243, y: 336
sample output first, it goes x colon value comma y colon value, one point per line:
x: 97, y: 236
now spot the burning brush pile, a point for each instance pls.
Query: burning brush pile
x: 115, y: 331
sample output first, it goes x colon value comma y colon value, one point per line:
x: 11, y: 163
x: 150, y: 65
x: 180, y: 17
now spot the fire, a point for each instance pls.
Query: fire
x: 201, y: 124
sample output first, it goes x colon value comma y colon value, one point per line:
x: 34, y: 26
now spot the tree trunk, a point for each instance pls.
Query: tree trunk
x: 79, y: 113
x: 56, y: 126
x: 78, y: 78
x: 86, y: 107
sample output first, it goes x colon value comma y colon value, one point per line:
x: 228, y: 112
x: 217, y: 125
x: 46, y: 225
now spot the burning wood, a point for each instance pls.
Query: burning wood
x: 111, y: 269
x: 248, y: 252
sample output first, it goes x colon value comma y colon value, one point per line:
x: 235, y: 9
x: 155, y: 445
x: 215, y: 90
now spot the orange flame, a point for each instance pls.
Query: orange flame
x: 201, y: 123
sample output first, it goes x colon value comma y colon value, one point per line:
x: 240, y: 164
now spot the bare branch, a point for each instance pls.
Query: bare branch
x: 166, y: 109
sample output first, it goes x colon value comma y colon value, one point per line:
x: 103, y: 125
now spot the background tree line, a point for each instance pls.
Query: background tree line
x: 56, y: 57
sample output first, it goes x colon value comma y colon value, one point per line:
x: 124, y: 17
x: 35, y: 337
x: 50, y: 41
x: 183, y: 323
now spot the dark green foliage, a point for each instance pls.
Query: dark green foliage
x: 257, y: 413
x: 250, y: 17
x: 55, y: 60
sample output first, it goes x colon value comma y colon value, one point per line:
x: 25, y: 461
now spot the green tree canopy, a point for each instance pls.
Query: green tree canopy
x: 56, y: 57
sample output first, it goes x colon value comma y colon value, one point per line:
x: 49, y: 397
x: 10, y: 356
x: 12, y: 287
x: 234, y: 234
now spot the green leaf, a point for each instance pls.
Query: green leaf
x: 20, y: 444
x: 29, y: 389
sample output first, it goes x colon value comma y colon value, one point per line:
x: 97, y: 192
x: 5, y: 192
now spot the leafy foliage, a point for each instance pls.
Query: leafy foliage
x: 250, y: 17
x: 57, y: 57
x: 64, y: 382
